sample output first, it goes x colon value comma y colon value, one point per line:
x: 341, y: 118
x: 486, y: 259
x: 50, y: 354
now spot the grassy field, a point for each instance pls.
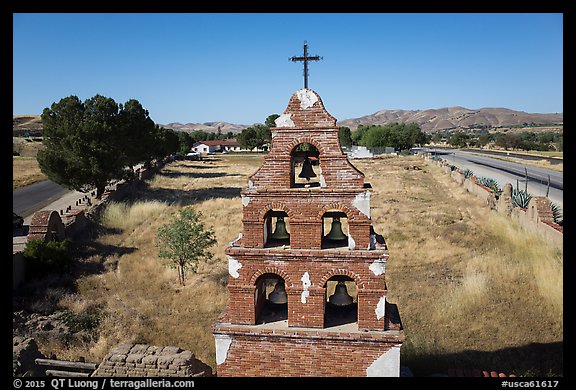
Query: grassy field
x: 473, y: 290
x: 25, y: 168
x: 25, y: 171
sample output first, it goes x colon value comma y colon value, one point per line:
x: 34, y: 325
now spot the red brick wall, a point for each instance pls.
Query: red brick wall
x: 314, y: 116
x: 305, y: 210
x: 253, y: 355
x: 338, y: 172
x: 291, y: 266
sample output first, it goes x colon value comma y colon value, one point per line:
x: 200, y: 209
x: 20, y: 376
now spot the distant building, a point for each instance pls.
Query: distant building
x: 222, y: 146
x: 217, y: 146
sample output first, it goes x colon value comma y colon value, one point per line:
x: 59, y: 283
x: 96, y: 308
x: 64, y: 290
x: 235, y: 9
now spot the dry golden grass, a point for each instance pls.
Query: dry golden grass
x: 141, y: 297
x: 25, y: 168
x: 25, y: 171
x: 473, y: 290
x: 471, y: 286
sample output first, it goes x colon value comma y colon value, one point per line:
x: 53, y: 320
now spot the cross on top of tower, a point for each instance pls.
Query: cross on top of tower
x: 305, y: 59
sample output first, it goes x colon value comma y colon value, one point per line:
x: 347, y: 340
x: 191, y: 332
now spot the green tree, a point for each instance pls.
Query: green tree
x: 459, y: 139
x: 135, y: 124
x: 92, y: 143
x: 185, y: 242
x: 358, y: 134
x: 185, y: 142
x: 400, y: 136
x: 166, y: 142
x: 254, y: 136
x: 83, y: 147
x: 345, y: 136
x: 270, y: 120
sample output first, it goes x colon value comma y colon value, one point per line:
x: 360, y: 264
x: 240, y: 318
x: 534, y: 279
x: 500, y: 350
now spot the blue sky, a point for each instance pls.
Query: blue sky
x: 235, y: 68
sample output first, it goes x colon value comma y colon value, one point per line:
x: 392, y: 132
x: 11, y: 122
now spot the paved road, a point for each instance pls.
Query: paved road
x: 534, y: 173
x: 29, y: 199
x: 509, y: 172
x: 551, y: 160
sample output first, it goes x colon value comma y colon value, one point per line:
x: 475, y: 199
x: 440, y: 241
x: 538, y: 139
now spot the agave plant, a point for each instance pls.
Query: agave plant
x: 492, y: 184
x: 521, y: 198
x: 467, y: 173
x: 557, y: 214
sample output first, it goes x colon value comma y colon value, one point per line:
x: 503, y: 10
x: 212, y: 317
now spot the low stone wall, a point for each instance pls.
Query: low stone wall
x: 536, y: 222
x: 537, y: 218
x: 142, y: 360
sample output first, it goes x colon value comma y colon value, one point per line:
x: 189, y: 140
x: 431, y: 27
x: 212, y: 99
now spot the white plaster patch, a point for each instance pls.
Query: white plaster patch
x: 307, y: 98
x: 237, y: 239
x: 378, y: 267
x: 305, y: 284
x: 351, y: 242
x: 233, y: 267
x: 387, y: 365
x: 284, y: 120
x: 250, y: 184
x: 223, y: 343
x: 245, y: 200
x: 322, y: 181
x: 362, y: 203
x: 274, y: 134
x: 381, y: 308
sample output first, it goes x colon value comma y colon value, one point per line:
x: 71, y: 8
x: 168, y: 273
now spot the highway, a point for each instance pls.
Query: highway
x: 508, y: 172
x: 29, y: 199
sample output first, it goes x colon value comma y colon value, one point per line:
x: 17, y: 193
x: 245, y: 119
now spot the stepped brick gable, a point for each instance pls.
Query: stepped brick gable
x: 307, y: 286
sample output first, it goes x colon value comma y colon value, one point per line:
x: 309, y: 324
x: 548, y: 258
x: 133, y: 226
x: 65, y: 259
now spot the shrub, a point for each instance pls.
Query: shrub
x: 557, y: 214
x: 467, y: 173
x: 492, y: 184
x: 521, y: 198
x: 51, y: 256
x: 86, y: 321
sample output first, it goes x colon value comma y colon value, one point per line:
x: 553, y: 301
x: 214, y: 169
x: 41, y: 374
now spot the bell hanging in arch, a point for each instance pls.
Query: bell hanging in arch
x: 336, y: 233
x: 278, y: 296
x: 280, y: 232
x: 307, y: 171
x: 340, y: 296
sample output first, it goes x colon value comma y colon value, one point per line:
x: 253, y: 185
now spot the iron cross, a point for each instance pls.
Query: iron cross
x: 305, y: 59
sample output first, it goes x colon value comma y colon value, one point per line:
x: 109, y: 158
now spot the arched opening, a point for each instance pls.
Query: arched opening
x: 276, y: 229
x: 270, y: 299
x: 335, y: 230
x: 341, y: 301
x: 305, y: 168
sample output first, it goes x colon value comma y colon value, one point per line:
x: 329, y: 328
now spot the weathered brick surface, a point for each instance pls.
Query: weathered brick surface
x: 303, y: 348
x: 137, y: 360
x: 273, y: 353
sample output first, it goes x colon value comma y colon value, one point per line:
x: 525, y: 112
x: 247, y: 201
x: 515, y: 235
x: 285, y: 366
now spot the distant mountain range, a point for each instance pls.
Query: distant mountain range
x: 209, y: 127
x: 429, y: 120
x: 455, y: 118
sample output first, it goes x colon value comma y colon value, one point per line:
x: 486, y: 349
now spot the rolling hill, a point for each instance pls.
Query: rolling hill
x: 431, y: 120
x: 456, y: 118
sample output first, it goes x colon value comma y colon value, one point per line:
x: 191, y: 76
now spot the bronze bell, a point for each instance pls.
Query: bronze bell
x: 280, y: 232
x: 307, y: 171
x: 340, y: 296
x: 278, y: 296
x: 336, y: 233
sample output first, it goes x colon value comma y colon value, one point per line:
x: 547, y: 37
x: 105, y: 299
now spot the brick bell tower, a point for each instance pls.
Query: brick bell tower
x: 307, y: 287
